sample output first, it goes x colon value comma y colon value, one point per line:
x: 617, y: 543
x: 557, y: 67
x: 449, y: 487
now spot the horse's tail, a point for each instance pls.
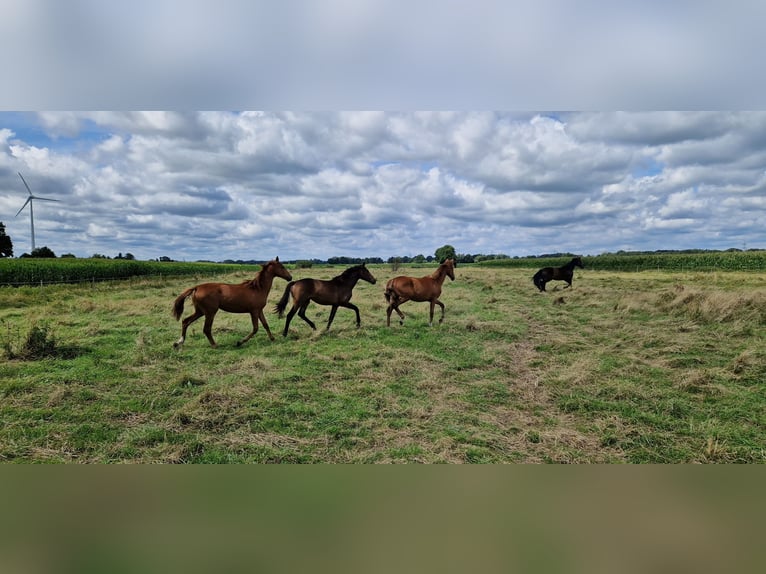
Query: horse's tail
x: 282, y: 304
x: 178, y: 304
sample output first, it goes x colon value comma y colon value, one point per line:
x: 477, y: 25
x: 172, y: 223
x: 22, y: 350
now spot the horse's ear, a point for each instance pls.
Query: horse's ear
x: 276, y: 259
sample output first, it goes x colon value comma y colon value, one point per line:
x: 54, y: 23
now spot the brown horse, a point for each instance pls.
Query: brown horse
x: 563, y: 273
x: 246, y: 297
x: 335, y: 292
x: 402, y: 289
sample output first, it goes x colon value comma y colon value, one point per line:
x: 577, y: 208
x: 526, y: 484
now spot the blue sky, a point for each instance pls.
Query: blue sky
x: 560, y: 169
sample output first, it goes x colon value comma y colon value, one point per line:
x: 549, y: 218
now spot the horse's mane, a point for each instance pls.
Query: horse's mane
x: 256, y: 282
x: 348, y: 272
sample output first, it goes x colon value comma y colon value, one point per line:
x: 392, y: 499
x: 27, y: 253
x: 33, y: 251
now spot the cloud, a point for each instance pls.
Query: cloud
x: 231, y: 185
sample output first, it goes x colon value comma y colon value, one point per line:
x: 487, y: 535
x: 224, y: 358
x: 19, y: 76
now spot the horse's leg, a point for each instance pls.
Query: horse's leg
x: 332, y: 316
x: 208, y: 328
x: 356, y: 310
x: 440, y: 304
x: 395, y: 301
x: 289, y: 318
x: 185, y: 325
x: 302, y: 315
x: 265, y: 324
x: 394, y: 307
x: 254, y: 319
x: 399, y: 312
x: 432, y: 304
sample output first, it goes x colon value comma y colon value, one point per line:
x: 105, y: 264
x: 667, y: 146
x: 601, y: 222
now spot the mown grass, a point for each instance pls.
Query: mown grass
x: 624, y: 367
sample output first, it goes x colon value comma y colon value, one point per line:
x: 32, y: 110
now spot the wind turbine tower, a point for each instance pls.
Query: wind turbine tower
x: 30, y: 201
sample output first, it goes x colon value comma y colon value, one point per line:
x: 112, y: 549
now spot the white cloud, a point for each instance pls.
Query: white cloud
x: 304, y: 184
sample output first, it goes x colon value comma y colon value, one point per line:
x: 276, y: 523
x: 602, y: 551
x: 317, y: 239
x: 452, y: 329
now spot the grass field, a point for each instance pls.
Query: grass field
x: 624, y: 367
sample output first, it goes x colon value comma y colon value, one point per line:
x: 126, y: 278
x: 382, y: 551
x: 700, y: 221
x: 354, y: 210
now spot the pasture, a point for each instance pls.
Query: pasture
x: 624, y: 367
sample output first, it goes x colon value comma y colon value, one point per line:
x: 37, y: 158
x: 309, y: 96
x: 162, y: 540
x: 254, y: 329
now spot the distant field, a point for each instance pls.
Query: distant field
x: 705, y: 261
x: 29, y: 271
x: 653, y: 366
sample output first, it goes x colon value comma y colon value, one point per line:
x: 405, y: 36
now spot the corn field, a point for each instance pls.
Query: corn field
x: 30, y: 271
x: 702, y: 261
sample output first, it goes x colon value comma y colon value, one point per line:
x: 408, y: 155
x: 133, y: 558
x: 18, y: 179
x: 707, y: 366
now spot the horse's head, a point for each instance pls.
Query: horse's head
x: 449, y: 267
x: 365, y: 274
x: 278, y: 270
x: 578, y: 262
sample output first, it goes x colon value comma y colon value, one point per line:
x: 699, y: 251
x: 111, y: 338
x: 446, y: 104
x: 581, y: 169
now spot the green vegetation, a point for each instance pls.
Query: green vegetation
x: 68, y: 269
x: 31, y: 271
x: 673, y: 261
x: 624, y: 367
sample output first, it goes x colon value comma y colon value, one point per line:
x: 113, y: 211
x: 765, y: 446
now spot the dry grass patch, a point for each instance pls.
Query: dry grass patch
x: 700, y: 381
x: 708, y: 305
x: 215, y: 410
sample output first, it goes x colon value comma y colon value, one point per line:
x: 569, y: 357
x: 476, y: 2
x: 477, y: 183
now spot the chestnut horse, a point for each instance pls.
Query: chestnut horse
x: 563, y: 273
x: 335, y: 292
x: 246, y: 297
x: 402, y: 289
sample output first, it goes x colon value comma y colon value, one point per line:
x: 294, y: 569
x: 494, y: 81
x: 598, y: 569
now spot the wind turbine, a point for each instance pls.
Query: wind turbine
x: 31, y: 210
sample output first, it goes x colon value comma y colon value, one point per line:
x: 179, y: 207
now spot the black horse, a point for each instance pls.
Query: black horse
x: 563, y: 273
x: 335, y: 292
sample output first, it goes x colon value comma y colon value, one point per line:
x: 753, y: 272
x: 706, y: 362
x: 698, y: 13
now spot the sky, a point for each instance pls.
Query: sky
x: 521, y: 127
x: 301, y: 185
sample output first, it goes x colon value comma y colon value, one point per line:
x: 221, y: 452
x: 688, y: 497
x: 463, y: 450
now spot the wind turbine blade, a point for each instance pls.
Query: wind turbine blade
x: 23, y: 206
x: 25, y: 182
x: 44, y: 198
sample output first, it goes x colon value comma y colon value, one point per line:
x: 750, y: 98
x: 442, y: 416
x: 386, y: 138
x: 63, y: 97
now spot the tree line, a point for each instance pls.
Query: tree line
x: 444, y: 252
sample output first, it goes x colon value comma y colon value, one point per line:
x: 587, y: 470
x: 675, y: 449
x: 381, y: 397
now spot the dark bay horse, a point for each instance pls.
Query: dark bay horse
x: 402, y: 289
x: 246, y: 297
x: 563, y: 273
x: 335, y: 292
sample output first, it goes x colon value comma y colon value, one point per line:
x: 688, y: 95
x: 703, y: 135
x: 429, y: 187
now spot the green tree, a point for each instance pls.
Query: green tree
x: 445, y: 252
x: 43, y: 251
x: 6, y: 245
